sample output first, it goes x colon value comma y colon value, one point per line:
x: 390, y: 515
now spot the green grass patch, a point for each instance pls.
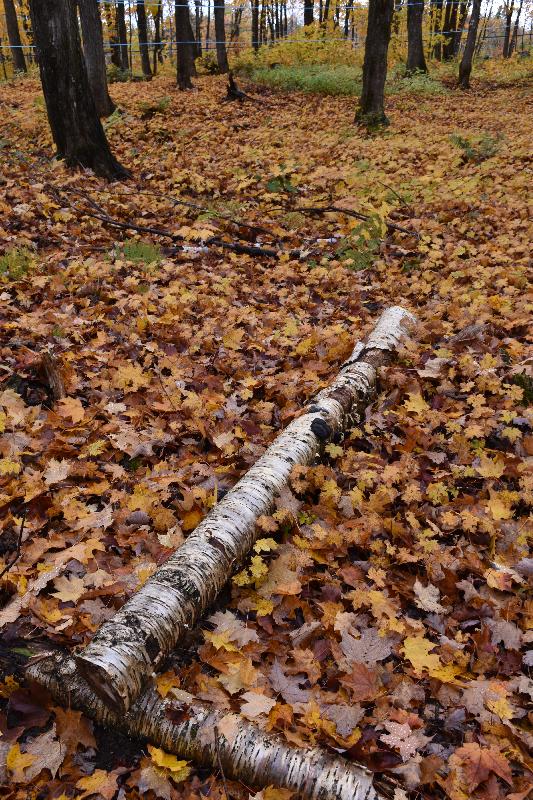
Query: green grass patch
x: 316, y: 78
x: 16, y: 264
x: 141, y: 252
x: 341, y: 80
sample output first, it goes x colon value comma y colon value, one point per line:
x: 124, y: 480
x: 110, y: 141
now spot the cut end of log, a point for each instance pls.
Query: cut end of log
x: 101, y: 682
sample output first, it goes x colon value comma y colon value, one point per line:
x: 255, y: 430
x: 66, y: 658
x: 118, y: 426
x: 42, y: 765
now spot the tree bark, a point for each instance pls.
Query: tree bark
x: 198, y: 26
x: 371, y: 111
x: 220, y: 36
x: 416, y: 61
x: 508, y: 10
x: 93, y: 50
x: 13, y: 35
x: 465, y: 67
x: 126, y: 650
x: 461, y: 19
x: 255, y: 25
x: 212, y: 738
x: 122, y: 34
x: 437, y: 29
x: 308, y: 12
x: 184, y: 47
x: 76, y: 128
x: 514, y: 37
x: 142, y: 30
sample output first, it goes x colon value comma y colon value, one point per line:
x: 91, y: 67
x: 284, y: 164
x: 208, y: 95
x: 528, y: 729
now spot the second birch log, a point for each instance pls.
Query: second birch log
x: 212, y: 738
x: 126, y: 650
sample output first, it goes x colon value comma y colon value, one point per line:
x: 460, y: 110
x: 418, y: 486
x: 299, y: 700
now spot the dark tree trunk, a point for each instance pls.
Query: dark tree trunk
x: 465, y: 67
x: 462, y: 15
x: 347, y: 14
x: 371, y: 111
x: 122, y: 33
x: 451, y: 27
x: 514, y: 37
x: 93, y: 50
x: 255, y: 25
x: 198, y: 26
x: 220, y: 36
x: 75, y: 125
x: 142, y: 29
x: 3, y: 60
x: 184, y: 46
x: 195, y: 46
x: 208, y: 27
x: 507, y: 36
x: 13, y: 34
x: 326, y: 11
x: 416, y: 61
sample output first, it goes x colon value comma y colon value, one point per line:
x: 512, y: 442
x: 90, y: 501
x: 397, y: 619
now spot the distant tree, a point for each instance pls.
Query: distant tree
x: 465, y: 67
x: 514, y: 37
x: 93, y: 50
x: 142, y: 30
x: 74, y: 122
x: 184, y: 45
x: 255, y: 24
x: 308, y: 12
x: 416, y: 61
x: 220, y: 36
x: 13, y: 34
x: 508, y: 9
x: 371, y: 110
x: 122, y: 35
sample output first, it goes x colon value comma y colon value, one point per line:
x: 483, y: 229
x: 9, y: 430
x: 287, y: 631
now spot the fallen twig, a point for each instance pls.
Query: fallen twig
x: 350, y: 213
x: 19, y: 545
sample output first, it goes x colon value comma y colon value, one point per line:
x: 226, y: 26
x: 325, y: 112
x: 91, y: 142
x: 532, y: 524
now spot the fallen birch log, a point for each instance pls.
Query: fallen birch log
x: 212, y: 738
x: 127, y: 649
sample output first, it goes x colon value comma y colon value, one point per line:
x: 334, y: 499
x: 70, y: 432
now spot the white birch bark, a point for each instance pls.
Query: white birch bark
x: 127, y: 649
x: 246, y: 753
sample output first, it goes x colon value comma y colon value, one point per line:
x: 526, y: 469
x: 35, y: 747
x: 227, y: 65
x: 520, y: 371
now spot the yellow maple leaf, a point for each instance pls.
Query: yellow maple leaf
x: 416, y: 404
x: 9, y: 686
x: 265, y: 545
x: 71, y: 408
x: 416, y: 649
x: 498, y: 507
x: 489, y: 468
x: 17, y: 762
x: 179, y: 770
x: 9, y: 467
x: 220, y: 640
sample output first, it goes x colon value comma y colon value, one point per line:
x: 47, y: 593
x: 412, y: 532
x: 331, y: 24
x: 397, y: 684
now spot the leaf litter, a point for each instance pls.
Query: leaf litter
x: 385, y: 614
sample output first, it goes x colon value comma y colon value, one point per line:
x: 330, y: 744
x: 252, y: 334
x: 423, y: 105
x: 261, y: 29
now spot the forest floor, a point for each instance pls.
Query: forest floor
x: 385, y: 612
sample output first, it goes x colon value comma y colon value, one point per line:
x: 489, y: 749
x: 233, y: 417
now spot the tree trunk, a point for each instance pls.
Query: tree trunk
x: 255, y: 25
x: 122, y: 33
x: 371, y: 111
x: 482, y: 34
x: 507, y: 36
x: 93, y: 50
x: 514, y: 37
x: 462, y: 15
x: 3, y: 60
x: 308, y: 12
x: 215, y: 739
x: 13, y: 34
x: 76, y: 128
x: 127, y: 649
x: 450, y: 26
x: 416, y: 61
x: 465, y: 67
x: 142, y: 30
x: 157, y: 37
x: 347, y: 15
x: 184, y: 46
x: 198, y: 26
x: 220, y: 36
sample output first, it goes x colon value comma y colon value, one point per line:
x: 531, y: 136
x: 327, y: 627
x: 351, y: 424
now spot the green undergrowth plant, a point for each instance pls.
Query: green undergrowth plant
x: 140, y: 252
x: 476, y: 148
x: 359, y: 250
x: 150, y: 108
x: 16, y: 264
